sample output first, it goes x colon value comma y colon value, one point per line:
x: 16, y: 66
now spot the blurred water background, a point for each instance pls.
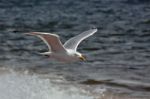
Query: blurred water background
x: 118, y: 55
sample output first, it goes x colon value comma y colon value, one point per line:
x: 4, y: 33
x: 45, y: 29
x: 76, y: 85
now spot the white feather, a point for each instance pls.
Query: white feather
x: 75, y: 41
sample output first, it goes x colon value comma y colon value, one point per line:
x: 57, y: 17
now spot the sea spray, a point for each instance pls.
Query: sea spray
x: 24, y: 86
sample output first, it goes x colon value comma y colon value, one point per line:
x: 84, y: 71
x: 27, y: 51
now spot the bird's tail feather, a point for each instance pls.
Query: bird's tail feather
x: 45, y: 53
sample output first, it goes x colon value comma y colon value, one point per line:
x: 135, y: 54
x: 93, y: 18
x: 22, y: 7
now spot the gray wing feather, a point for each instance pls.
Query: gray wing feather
x: 49, y: 47
x: 75, y: 41
x: 52, y: 41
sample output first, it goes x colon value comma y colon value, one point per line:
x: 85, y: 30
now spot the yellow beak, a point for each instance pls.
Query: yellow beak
x: 82, y: 58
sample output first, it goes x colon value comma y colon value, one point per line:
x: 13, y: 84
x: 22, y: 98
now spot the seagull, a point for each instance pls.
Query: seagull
x: 67, y: 52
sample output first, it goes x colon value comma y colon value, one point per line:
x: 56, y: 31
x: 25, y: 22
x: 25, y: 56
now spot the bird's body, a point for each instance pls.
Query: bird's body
x: 68, y: 56
x: 66, y: 52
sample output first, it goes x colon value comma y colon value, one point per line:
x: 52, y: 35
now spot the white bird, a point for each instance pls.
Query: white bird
x: 67, y: 52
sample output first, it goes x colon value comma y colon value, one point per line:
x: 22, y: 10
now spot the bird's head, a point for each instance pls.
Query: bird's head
x: 76, y: 55
x: 80, y: 56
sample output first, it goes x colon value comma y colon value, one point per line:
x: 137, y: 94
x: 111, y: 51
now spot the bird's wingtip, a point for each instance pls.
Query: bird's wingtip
x: 31, y: 33
x: 27, y: 33
x: 93, y: 27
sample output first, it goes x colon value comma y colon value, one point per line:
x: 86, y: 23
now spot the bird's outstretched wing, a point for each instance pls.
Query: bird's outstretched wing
x: 75, y: 41
x: 52, y: 41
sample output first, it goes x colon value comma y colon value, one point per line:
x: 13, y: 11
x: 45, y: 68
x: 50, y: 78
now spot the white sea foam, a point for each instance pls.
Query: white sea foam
x: 21, y: 86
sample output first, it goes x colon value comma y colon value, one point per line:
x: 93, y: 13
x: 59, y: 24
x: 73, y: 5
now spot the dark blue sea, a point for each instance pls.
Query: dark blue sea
x: 118, y: 55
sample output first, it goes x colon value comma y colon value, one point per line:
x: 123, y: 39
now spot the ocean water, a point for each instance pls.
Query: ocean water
x: 117, y: 55
x: 22, y: 86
